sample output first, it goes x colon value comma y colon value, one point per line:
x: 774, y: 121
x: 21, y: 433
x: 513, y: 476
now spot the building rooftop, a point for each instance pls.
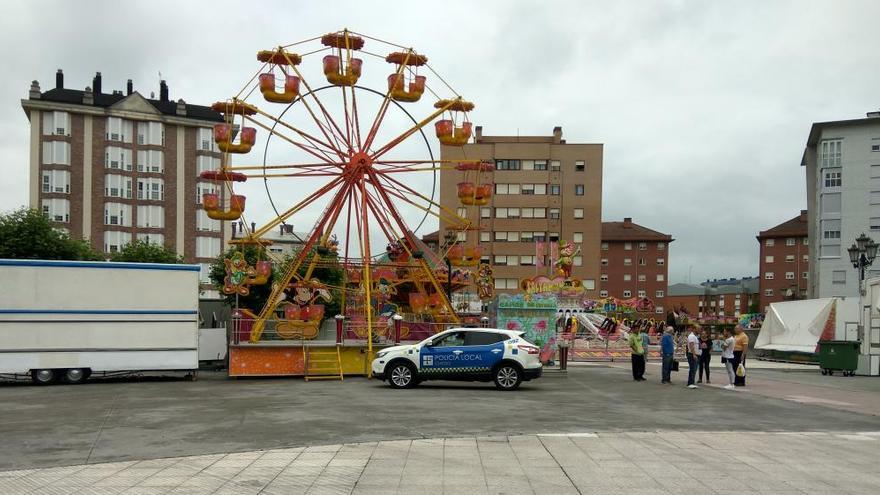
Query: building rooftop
x: 629, y: 231
x: 93, y: 96
x: 796, y: 227
x: 432, y: 237
x: 872, y: 117
x: 715, y: 286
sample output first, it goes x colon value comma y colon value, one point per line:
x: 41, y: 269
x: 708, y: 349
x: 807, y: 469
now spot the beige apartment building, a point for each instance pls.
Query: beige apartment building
x: 116, y: 166
x: 544, y: 190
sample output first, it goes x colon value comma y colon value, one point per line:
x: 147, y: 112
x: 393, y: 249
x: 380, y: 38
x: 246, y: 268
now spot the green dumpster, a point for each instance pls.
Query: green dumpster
x: 839, y: 355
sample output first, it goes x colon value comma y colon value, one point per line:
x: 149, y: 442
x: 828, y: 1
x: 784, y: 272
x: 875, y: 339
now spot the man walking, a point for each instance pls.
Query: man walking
x: 693, y: 357
x: 667, y: 349
x: 637, y: 353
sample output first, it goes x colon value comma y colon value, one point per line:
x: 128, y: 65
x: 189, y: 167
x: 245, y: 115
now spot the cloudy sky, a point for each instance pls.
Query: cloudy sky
x: 703, y: 107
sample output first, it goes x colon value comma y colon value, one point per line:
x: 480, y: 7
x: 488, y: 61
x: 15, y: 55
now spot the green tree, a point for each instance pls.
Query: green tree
x: 328, y: 272
x: 28, y: 234
x: 139, y: 251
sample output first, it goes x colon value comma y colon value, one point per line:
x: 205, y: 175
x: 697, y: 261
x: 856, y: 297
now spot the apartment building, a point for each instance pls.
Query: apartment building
x: 115, y: 166
x: 634, y: 262
x: 784, y: 261
x: 717, y: 298
x: 842, y: 165
x: 545, y: 190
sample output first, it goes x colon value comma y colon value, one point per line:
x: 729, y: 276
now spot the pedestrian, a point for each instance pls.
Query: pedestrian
x: 705, y: 355
x: 727, y: 358
x: 667, y: 350
x: 646, y: 342
x: 693, y: 357
x: 637, y: 351
x: 740, y: 350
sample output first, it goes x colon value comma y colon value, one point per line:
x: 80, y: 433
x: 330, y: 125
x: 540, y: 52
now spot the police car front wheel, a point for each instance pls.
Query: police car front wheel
x: 507, y: 377
x: 402, y: 375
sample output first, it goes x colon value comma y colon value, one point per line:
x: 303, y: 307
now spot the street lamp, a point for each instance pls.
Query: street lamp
x: 450, y: 237
x: 861, y: 255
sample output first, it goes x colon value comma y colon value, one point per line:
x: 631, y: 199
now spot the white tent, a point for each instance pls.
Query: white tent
x: 798, y: 325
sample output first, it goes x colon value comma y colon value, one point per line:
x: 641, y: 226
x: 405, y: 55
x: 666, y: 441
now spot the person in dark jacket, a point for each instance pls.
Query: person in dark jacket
x: 667, y: 349
x: 705, y: 355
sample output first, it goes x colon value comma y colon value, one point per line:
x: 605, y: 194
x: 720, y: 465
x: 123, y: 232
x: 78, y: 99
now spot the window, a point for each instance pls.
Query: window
x: 534, y: 213
x: 541, y: 165
x: 554, y: 189
x: 874, y: 223
x: 117, y: 214
x: 484, y: 338
x: 57, y: 210
x: 789, y: 258
x: 115, y: 241
x: 152, y: 238
x: 590, y: 284
x: 642, y: 262
x: 604, y: 246
x: 507, y: 212
x: 152, y: 216
x: 203, y: 188
x: 506, y: 283
x: 531, y: 189
x: 768, y: 275
x: 151, y: 133
x: 831, y: 203
x: 642, y: 277
x: 627, y: 293
x: 768, y: 259
x: 578, y: 189
x: 205, y: 163
x: 643, y: 246
x: 462, y: 212
x: 554, y: 236
x: 117, y: 158
x: 150, y: 161
x: 554, y: 213
x: 789, y: 275
x: 875, y: 197
x: 119, y: 129
x: 661, y: 246
x: 555, y: 165
x: 831, y: 231
x: 830, y: 153
x: 117, y: 186
x: 875, y: 147
x: 829, y: 251
x: 207, y: 247
x: 603, y: 277
x: 579, y: 213
x: 661, y: 277
x: 507, y: 165
x: 579, y: 165
x: 56, y: 181
x: 461, y: 236
x: 642, y: 293
x: 151, y: 189
x: 527, y: 260
x: 578, y: 261
x: 56, y: 124
x: 205, y: 140
x: 806, y: 241
x: 485, y: 236
x: 769, y: 243
x: 838, y: 277
x: 661, y: 261
x: 627, y: 277
x: 500, y: 260
x: 604, y: 262
x: 603, y: 293
x: 528, y: 164
x: 485, y: 212
x: 806, y: 275
x: 507, y: 236
x: 627, y: 262
x: 506, y: 189
x: 658, y: 310
x: 577, y: 237
x: 875, y: 171
x: 56, y: 153
x: 659, y: 293
x: 832, y: 178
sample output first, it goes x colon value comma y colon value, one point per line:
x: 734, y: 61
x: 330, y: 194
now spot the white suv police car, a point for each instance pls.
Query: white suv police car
x: 472, y: 354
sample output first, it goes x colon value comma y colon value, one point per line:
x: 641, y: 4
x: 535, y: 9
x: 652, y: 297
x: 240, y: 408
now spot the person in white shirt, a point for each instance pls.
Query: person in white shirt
x: 727, y: 357
x: 693, y: 356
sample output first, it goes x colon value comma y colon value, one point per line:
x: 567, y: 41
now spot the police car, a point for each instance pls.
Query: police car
x: 472, y: 354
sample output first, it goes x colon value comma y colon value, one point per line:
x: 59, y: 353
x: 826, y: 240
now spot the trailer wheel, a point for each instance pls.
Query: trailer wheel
x: 43, y: 377
x: 75, y: 375
x: 824, y: 371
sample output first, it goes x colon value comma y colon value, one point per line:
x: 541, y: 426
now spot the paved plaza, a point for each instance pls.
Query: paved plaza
x: 591, y: 430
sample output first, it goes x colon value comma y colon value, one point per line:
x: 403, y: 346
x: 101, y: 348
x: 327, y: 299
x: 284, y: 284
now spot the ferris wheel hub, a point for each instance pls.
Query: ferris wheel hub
x: 360, y: 160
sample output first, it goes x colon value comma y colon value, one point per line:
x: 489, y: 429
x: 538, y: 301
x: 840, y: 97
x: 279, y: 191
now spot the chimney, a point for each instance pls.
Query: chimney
x: 34, y: 92
x: 181, y: 108
x: 163, y: 91
x: 59, y: 79
x: 96, y: 83
x: 479, y: 134
x: 557, y: 135
x: 804, y: 215
x: 873, y: 114
x: 88, y: 96
x: 628, y: 223
x: 129, y: 87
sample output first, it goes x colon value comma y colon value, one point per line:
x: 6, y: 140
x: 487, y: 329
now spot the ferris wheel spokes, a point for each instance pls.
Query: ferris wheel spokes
x: 412, y: 130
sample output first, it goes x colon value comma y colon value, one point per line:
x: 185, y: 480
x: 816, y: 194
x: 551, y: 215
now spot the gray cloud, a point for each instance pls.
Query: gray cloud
x: 703, y: 107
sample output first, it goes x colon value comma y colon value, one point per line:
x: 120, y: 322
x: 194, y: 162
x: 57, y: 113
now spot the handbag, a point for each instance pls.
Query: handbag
x: 740, y: 371
x: 674, y: 365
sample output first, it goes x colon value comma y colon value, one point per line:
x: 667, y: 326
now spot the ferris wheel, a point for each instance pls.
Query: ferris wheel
x: 357, y: 162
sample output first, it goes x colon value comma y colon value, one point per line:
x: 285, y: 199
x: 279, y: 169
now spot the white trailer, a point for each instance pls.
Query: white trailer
x: 66, y: 320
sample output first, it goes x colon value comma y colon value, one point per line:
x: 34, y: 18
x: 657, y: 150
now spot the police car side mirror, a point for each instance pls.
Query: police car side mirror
x: 429, y: 343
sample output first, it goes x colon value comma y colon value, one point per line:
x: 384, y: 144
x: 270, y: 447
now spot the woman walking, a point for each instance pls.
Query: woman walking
x: 705, y: 355
x: 727, y: 357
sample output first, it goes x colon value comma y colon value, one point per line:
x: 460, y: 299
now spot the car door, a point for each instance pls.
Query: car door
x: 440, y: 357
x: 482, y: 351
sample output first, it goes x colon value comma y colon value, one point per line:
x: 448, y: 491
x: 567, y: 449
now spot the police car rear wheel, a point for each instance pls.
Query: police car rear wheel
x: 507, y: 377
x: 402, y: 375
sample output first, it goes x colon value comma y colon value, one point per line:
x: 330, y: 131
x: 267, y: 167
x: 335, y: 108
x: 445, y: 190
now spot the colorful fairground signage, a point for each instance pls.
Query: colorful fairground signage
x: 520, y: 301
x: 560, y: 285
